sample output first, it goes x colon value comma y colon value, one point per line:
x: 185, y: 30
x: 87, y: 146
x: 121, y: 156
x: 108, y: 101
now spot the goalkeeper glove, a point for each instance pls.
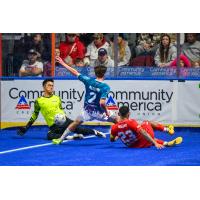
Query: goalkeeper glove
x: 21, y: 130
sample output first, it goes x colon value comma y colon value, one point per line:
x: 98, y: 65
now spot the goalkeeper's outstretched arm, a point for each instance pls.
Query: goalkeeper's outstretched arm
x: 34, y: 116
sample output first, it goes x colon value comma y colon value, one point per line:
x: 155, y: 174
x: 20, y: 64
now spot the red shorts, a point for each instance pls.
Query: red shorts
x: 142, y: 142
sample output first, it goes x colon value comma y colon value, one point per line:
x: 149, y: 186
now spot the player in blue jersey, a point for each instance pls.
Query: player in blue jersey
x: 95, y: 99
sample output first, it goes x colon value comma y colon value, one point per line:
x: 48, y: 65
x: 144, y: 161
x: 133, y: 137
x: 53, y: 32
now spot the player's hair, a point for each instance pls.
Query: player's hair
x: 123, y: 111
x: 47, y: 80
x: 100, y: 71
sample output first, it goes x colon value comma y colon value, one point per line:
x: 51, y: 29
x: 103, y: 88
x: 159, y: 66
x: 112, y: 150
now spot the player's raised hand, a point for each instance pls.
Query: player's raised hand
x: 21, y: 130
x: 159, y: 146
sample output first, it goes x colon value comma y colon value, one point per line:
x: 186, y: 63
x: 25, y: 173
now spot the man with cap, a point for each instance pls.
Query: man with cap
x: 31, y: 67
x: 103, y: 59
x: 92, y: 49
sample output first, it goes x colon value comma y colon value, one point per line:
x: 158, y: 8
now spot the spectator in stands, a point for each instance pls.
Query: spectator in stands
x: 145, y: 50
x: 31, y: 67
x: 79, y: 63
x: 147, y: 43
x: 57, y: 53
x: 196, y: 64
x: 184, y: 62
x: 41, y: 43
x: 92, y: 49
x: 103, y: 59
x: 37, y: 44
x: 20, y: 52
x: 191, y: 49
x: 71, y: 49
x: 166, y: 52
x: 124, y: 52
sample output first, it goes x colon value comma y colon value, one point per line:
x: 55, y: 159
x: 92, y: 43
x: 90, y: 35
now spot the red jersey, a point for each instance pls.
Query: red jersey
x: 127, y: 130
x: 74, y: 50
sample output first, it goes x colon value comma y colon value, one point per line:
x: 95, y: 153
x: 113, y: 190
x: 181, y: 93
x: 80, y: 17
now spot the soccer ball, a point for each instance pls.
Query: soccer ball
x: 59, y: 119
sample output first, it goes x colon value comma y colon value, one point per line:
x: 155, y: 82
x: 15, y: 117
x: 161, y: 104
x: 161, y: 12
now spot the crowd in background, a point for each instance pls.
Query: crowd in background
x: 31, y: 54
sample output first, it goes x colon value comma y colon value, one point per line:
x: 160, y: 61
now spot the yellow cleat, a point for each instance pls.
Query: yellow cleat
x: 171, y: 129
x: 57, y: 141
x: 174, y: 142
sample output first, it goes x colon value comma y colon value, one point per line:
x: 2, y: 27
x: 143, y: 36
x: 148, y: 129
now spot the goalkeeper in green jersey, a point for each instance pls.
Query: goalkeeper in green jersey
x: 50, y: 105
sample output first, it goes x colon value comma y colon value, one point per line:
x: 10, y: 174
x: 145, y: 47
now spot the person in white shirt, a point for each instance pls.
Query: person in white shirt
x: 92, y: 49
x: 103, y: 59
x: 31, y: 67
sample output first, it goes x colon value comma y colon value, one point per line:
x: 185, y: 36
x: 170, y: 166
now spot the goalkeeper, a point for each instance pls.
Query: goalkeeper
x: 50, y: 105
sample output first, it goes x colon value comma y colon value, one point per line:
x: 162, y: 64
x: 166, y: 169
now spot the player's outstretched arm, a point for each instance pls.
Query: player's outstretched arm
x: 113, y: 138
x: 150, y: 139
x: 70, y: 69
x: 22, y: 130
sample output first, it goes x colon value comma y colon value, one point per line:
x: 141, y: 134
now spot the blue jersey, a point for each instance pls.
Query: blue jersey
x: 95, y: 90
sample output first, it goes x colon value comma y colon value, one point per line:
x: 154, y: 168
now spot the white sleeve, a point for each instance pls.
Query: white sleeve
x: 88, y: 53
x: 24, y: 65
x: 40, y: 65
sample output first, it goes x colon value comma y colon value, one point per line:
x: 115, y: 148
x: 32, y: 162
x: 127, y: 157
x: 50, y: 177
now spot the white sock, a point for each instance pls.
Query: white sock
x: 165, y: 143
x: 166, y: 129
x: 65, y: 134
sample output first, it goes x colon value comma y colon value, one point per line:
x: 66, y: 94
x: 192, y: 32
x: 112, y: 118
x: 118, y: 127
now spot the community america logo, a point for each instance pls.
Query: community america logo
x: 22, y: 104
x: 111, y: 104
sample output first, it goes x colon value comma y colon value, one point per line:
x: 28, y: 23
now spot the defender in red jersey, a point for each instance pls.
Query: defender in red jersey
x: 137, y: 135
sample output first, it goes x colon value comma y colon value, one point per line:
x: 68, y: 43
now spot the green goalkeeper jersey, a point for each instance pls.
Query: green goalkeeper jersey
x: 49, y: 107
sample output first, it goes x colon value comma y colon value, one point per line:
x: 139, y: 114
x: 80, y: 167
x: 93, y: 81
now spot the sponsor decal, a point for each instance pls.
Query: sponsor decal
x: 22, y: 104
x: 143, y: 102
x: 111, y: 104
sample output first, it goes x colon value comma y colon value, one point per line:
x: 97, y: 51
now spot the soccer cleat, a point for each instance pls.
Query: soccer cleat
x: 171, y: 129
x: 76, y: 136
x: 174, y: 142
x: 99, y: 134
x: 57, y: 141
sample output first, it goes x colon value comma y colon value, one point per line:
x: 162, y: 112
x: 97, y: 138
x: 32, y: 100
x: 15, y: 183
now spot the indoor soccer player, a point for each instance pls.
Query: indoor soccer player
x: 135, y: 135
x: 95, y: 99
x: 50, y: 105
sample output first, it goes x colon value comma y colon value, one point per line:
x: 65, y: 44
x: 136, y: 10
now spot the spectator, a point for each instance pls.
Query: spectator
x: 20, y: 52
x: 79, y: 63
x: 145, y: 50
x: 92, y: 49
x: 191, y: 49
x: 57, y: 54
x: 103, y: 59
x: 37, y: 44
x: 41, y: 43
x: 71, y: 49
x: 196, y: 64
x: 166, y: 52
x: 147, y: 43
x: 124, y: 52
x: 31, y: 67
x: 184, y: 62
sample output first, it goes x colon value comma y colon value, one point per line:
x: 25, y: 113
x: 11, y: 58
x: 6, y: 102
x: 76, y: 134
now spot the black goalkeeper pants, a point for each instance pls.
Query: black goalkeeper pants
x: 56, y: 131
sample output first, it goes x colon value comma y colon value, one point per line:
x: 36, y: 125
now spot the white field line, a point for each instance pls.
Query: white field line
x: 37, y: 146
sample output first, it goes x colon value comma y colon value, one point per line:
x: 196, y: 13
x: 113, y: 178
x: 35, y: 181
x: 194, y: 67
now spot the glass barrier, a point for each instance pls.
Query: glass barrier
x: 26, y: 54
x: 127, y: 55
